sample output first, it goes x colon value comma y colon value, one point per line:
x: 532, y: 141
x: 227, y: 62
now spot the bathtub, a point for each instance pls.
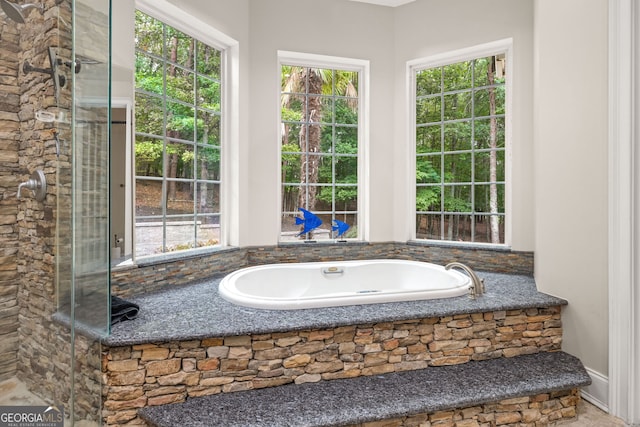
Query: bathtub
x: 330, y: 284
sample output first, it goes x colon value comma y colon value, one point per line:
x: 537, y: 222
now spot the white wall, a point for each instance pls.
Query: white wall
x: 429, y: 27
x: 570, y: 163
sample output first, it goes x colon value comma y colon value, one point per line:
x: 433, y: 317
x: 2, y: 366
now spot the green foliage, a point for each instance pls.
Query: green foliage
x: 158, y: 46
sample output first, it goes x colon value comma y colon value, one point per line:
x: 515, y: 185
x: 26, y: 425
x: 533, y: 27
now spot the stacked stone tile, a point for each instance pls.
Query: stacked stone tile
x: 529, y: 411
x: 162, y: 373
x: 155, y: 275
x: 9, y: 173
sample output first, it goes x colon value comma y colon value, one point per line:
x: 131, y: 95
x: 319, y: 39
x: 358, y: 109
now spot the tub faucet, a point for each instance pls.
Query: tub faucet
x: 477, y: 287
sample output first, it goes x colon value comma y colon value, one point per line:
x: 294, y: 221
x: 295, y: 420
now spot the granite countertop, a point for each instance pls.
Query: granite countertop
x: 196, y: 311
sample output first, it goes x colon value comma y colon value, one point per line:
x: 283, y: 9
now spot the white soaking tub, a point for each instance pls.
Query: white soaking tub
x: 329, y: 284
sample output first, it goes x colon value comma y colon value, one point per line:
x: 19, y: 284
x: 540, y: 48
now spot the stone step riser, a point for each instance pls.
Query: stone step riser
x: 155, y: 374
x: 530, y: 390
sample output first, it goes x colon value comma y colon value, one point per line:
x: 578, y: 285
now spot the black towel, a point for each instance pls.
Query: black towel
x: 122, y: 310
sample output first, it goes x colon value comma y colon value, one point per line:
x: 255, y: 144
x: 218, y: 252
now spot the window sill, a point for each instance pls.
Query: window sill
x: 460, y: 245
x: 169, y: 257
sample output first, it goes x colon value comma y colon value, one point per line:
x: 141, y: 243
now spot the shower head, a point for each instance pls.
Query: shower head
x: 16, y: 11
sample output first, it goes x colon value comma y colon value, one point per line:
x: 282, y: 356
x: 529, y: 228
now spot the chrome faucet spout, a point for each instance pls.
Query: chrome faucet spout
x: 477, y: 287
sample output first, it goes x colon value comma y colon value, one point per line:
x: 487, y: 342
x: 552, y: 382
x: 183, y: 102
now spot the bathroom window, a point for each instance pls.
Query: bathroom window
x: 461, y: 148
x: 178, y: 139
x: 321, y: 147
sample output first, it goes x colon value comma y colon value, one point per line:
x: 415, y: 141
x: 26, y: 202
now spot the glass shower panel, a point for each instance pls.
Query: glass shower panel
x: 83, y: 277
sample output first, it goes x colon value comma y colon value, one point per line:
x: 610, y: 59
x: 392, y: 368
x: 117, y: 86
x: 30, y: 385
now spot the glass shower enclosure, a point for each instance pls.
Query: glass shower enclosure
x: 54, y: 231
x: 83, y: 212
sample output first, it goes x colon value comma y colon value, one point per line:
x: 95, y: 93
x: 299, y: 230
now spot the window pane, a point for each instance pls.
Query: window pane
x: 150, y: 73
x: 484, y: 224
x: 149, y: 114
x: 457, y: 198
x: 208, y: 93
x: 428, y: 169
x: 457, y: 106
x: 483, y: 198
x: 457, y: 167
x: 291, y: 167
x: 148, y: 198
x: 483, y: 133
x: 295, y: 107
x: 180, y: 121
x: 428, y: 199
x: 428, y: 139
x: 319, y: 109
x: 346, y: 84
x: 482, y: 69
x: 346, y: 169
x: 148, y: 156
x: 457, y: 136
x: 346, y: 111
x: 149, y: 34
x: 428, y: 226
x: 179, y: 160
x: 346, y: 140
x: 179, y: 197
x: 482, y: 99
x: 428, y: 81
x: 483, y: 162
x: 347, y: 197
x: 325, y: 172
x: 291, y: 136
x: 208, y: 198
x: 181, y: 232
x: 208, y: 130
x: 180, y: 48
x: 208, y: 163
x: 180, y: 85
x: 208, y: 230
x: 428, y: 110
x: 208, y: 60
x: 457, y: 76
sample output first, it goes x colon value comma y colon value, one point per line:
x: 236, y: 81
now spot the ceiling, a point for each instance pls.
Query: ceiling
x: 390, y: 3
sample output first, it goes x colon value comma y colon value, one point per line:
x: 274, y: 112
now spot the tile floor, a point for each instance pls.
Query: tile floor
x: 14, y: 393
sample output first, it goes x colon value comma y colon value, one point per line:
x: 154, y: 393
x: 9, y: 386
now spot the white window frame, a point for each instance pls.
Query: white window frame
x: 334, y: 62
x: 504, y: 46
x: 177, y: 18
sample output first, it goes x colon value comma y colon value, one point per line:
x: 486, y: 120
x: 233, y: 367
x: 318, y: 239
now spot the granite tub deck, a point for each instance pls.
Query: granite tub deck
x: 503, y: 383
x: 193, y: 359
x: 196, y: 311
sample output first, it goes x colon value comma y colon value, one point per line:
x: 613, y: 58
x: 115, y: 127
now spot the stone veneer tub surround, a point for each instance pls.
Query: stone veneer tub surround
x: 188, y: 342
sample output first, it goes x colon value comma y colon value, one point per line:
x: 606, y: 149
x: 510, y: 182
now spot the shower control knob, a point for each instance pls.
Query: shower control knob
x: 37, y: 182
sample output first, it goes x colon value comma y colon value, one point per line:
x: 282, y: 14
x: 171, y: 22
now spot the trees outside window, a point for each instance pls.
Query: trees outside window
x: 460, y: 111
x: 177, y: 139
x: 319, y: 149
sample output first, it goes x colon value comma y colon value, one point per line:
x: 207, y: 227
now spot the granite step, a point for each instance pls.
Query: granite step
x: 370, y: 398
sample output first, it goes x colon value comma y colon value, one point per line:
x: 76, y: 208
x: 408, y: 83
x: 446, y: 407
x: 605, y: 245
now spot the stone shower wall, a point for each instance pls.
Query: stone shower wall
x: 43, y: 362
x: 10, y: 173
